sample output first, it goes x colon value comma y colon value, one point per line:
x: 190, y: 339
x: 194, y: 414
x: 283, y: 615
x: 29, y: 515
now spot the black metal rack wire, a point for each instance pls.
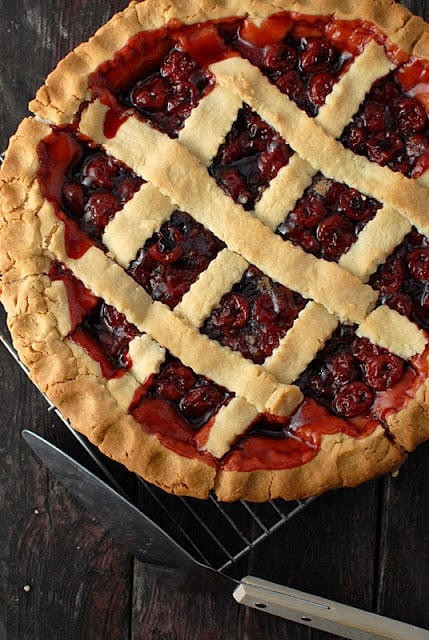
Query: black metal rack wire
x: 215, y: 533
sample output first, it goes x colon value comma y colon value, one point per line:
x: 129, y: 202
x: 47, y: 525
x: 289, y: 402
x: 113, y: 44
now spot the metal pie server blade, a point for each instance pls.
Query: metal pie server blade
x: 127, y: 525
x: 161, y: 554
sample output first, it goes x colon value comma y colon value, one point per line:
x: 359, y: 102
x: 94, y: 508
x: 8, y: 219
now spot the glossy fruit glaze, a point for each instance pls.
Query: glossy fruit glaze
x: 251, y: 156
x: 403, y: 280
x: 391, y: 129
x: 172, y: 259
x: 300, y: 56
x: 328, y: 218
x: 176, y: 403
x: 163, y: 73
x: 85, y: 186
x: 254, y: 316
x: 161, y: 76
x: 99, y: 328
x: 165, y: 84
x: 351, y: 388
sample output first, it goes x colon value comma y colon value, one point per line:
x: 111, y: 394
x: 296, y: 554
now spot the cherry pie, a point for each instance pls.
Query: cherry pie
x: 214, y: 242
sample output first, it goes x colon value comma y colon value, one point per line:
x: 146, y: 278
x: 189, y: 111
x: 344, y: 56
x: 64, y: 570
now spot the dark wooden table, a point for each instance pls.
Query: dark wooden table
x: 63, y: 578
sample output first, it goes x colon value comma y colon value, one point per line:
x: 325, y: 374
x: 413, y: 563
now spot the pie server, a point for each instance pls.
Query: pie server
x: 171, y: 563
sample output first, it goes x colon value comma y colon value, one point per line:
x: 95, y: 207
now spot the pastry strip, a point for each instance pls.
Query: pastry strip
x: 220, y: 108
x: 349, y: 92
x: 389, y: 329
x: 308, y: 139
x: 203, y: 296
x: 231, y: 421
x: 282, y: 261
x: 147, y: 357
x: 135, y: 223
x: 250, y: 381
x: 294, y: 352
x: 376, y: 241
x: 284, y: 190
x: 123, y: 389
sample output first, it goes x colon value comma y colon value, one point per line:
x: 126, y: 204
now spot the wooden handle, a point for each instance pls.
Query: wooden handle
x: 319, y: 613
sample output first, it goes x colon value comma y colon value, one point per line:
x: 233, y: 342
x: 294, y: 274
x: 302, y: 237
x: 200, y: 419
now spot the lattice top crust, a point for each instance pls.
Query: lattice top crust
x: 213, y: 243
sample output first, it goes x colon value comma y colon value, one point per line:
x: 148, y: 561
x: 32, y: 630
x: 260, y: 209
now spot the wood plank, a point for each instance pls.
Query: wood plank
x: 61, y: 576
x: 161, y: 614
x: 34, y: 36
x: 404, y: 548
x: 328, y: 550
x: 54, y: 558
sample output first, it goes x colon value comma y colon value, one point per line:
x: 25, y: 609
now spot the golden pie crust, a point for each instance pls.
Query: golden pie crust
x: 31, y: 236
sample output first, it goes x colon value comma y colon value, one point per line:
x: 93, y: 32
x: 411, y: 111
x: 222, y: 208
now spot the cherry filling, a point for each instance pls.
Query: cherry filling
x: 80, y: 300
x: 95, y: 188
x: 403, y: 280
x: 173, y: 258
x: 254, y: 316
x: 176, y: 403
x: 304, y: 63
x: 106, y: 334
x: 162, y: 75
x: 167, y: 97
x: 287, y: 443
x: 328, y: 218
x: 99, y: 328
x: 251, y: 156
x: 391, y: 128
x: 85, y: 186
x: 348, y: 372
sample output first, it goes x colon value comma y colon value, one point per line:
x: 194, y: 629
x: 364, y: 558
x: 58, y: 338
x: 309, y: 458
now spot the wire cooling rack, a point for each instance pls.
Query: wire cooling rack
x: 215, y: 533
x: 218, y: 534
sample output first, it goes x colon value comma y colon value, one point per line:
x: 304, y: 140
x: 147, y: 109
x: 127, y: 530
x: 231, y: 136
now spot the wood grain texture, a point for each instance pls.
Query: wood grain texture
x: 404, y: 549
x: 62, y: 578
